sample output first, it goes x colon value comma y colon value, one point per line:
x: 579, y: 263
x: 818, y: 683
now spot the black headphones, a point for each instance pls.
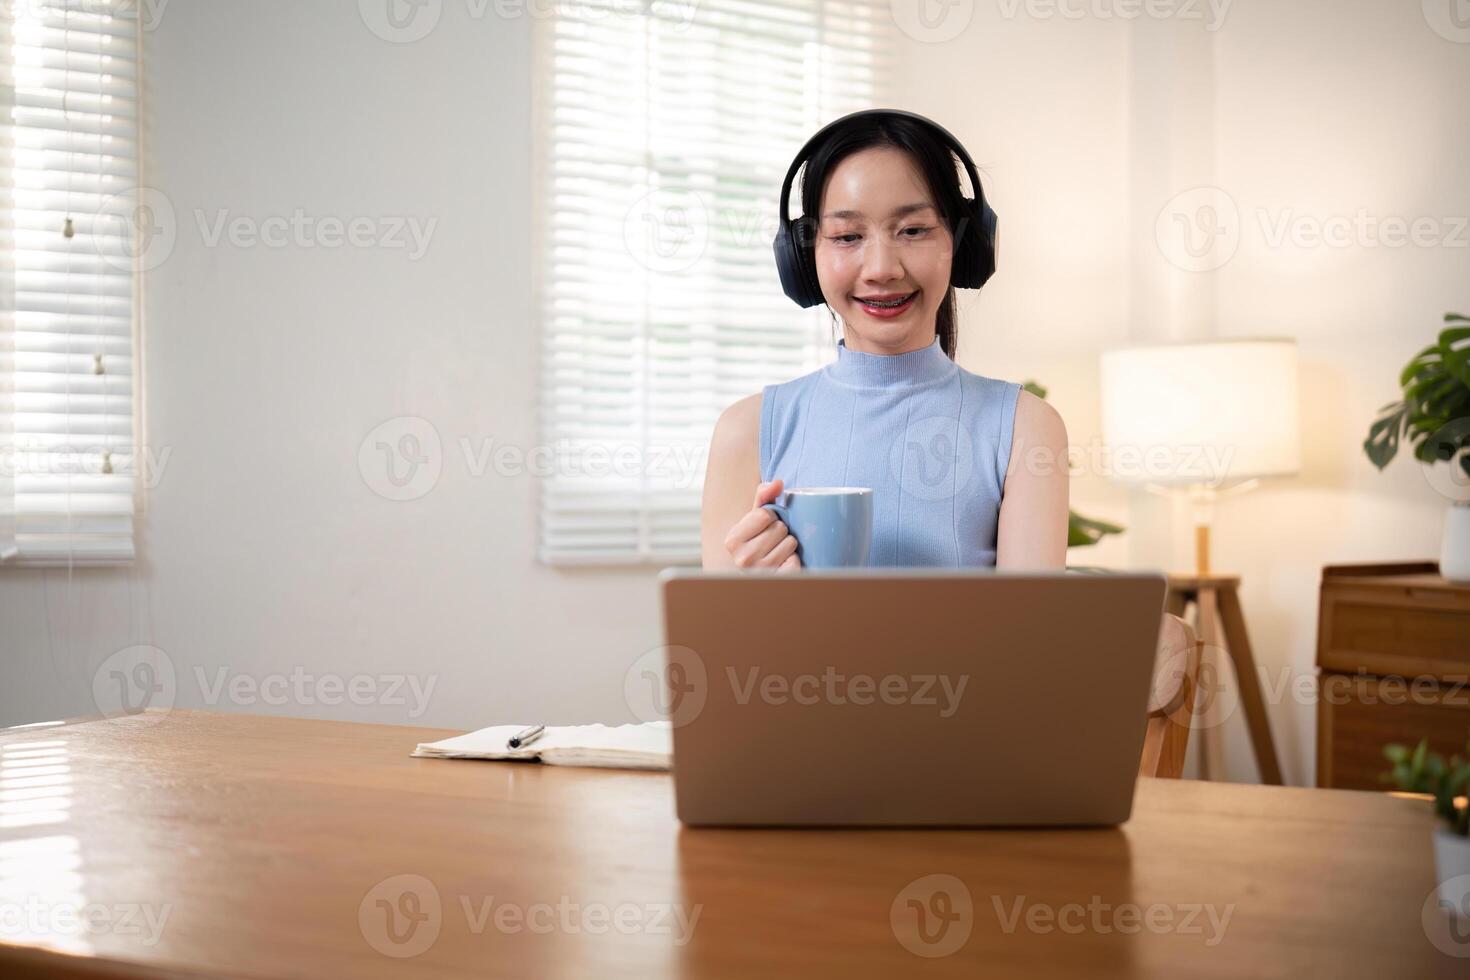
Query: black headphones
x: 974, y: 254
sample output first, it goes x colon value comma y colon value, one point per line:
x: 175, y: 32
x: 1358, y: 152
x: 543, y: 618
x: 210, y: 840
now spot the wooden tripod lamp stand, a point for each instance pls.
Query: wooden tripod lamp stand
x: 1182, y: 419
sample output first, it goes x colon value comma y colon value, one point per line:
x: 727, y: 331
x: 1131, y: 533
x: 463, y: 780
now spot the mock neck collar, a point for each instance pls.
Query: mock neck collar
x: 915, y: 367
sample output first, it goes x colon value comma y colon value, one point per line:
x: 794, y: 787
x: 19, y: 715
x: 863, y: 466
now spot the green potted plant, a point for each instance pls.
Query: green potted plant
x: 1418, y: 770
x: 1080, y: 530
x: 1434, y: 413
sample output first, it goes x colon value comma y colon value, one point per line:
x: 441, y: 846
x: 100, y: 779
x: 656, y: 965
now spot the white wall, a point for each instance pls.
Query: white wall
x: 265, y: 550
x: 1326, y: 108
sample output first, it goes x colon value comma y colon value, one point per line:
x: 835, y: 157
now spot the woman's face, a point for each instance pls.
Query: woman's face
x: 880, y: 238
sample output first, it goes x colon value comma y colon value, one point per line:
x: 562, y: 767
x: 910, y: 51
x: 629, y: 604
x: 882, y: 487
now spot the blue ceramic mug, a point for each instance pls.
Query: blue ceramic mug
x: 833, y: 526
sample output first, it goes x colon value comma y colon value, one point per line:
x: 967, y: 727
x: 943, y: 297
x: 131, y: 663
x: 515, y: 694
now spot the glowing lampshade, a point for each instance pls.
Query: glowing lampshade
x: 1201, y: 413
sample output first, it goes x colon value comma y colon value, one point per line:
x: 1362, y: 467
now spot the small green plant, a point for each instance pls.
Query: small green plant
x: 1435, y: 409
x: 1080, y: 530
x: 1418, y: 770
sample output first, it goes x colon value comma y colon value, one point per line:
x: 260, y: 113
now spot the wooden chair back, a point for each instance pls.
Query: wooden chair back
x: 1171, y: 703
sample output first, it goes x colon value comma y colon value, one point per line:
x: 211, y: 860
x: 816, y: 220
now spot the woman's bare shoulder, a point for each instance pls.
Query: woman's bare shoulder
x: 740, y: 422
x: 1037, y: 420
x: 734, y: 446
x: 1037, y: 426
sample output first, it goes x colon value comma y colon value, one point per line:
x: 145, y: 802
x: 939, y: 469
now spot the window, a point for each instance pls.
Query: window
x: 662, y: 134
x: 69, y: 202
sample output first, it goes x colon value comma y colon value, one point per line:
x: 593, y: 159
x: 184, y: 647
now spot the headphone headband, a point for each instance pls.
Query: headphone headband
x: 974, y: 257
x: 806, y: 149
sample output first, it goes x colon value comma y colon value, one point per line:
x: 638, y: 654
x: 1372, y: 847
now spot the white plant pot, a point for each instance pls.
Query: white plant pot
x: 1454, y: 552
x: 1452, y: 870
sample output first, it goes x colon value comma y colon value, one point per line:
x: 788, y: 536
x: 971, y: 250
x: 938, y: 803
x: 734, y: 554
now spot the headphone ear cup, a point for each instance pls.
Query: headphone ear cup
x: 795, y: 262
x: 786, y: 263
x: 974, y: 253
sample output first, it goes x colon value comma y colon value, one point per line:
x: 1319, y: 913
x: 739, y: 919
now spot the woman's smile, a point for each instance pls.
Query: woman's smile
x: 886, y: 306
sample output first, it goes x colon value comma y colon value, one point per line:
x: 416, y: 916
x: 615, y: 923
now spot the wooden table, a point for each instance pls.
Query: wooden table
x: 272, y: 847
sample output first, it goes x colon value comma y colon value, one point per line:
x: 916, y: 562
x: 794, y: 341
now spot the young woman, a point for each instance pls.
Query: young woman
x: 966, y: 470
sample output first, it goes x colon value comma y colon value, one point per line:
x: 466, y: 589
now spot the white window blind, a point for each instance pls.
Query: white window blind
x: 7, y: 299
x: 70, y: 175
x: 661, y: 141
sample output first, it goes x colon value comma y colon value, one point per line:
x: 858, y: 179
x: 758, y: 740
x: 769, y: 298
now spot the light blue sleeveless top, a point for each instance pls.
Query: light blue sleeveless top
x: 931, y: 439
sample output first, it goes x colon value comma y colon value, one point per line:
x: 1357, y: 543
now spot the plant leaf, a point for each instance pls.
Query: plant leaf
x: 1426, y: 357
x: 1383, y: 436
x: 1084, y: 530
x: 1454, y: 351
x: 1427, y: 424
x: 1427, y: 382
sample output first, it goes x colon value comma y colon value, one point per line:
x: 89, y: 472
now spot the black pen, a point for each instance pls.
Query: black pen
x: 526, y: 737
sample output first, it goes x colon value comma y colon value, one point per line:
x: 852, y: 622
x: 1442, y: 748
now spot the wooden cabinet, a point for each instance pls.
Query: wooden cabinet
x: 1393, y: 659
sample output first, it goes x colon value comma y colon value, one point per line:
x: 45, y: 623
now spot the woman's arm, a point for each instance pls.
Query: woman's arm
x: 1032, y: 531
x: 734, y: 531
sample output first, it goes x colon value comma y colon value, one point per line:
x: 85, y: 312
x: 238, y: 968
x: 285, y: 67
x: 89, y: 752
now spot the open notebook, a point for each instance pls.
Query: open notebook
x: 646, y: 746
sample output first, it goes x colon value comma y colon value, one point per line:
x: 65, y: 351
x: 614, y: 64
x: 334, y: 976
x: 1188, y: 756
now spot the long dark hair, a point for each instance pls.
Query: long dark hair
x: 936, y: 164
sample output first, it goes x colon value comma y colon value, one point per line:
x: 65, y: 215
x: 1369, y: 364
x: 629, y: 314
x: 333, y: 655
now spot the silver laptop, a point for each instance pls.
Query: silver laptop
x: 908, y: 696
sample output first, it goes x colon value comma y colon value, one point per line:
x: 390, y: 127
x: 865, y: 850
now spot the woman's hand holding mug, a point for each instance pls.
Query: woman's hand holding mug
x: 760, y: 539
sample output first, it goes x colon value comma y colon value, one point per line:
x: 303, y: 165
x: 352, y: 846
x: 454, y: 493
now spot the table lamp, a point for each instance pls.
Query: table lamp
x: 1188, y: 419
